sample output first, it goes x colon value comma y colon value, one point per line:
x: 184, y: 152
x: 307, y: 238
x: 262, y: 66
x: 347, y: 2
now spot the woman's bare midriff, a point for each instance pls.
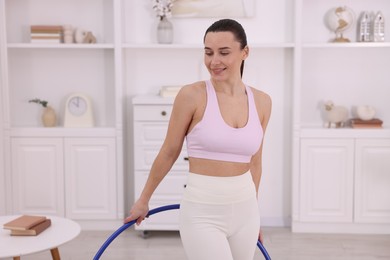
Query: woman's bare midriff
x: 217, y: 168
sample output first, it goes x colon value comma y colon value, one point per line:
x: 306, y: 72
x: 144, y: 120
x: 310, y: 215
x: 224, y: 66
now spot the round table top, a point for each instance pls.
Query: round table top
x: 61, y: 231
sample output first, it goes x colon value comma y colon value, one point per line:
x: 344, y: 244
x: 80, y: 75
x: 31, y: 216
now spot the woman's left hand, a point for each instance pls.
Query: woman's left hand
x: 261, y: 236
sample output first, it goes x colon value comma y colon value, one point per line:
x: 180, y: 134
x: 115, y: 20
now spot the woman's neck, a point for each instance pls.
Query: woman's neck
x: 229, y: 87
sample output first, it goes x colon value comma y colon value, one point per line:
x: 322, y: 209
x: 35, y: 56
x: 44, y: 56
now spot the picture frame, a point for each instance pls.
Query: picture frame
x: 213, y: 8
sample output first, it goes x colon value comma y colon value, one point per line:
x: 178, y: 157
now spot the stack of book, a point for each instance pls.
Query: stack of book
x: 27, y: 225
x: 373, y: 123
x: 46, y: 33
x: 169, y: 91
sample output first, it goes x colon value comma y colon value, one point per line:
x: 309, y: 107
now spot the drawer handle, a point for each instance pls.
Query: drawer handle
x: 163, y: 113
x: 186, y: 159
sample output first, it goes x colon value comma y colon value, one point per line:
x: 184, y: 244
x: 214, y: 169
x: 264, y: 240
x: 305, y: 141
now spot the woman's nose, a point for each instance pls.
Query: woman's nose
x: 215, y: 59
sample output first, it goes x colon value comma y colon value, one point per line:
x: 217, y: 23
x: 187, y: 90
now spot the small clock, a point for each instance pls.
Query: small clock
x: 78, y: 111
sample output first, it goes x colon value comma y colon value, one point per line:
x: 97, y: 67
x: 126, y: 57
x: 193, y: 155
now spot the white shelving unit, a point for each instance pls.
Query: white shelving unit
x: 86, y: 172
x: 290, y: 58
x: 327, y: 163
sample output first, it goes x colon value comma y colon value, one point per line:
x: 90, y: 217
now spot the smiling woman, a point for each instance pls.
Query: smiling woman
x: 223, y: 121
x: 213, y: 8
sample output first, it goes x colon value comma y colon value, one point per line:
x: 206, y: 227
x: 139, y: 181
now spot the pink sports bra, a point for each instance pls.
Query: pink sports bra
x: 212, y: 138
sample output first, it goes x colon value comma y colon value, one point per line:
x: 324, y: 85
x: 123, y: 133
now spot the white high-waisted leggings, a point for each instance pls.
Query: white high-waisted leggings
x: 219, y: 217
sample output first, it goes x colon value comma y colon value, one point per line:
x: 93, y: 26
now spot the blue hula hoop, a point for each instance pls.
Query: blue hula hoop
x: 152, y: 212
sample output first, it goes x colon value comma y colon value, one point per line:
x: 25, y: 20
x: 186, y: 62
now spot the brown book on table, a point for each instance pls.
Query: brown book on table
x: 33, y: 231
x: 24, y: 222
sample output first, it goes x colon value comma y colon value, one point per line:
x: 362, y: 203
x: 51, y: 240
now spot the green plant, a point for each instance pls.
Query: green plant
x: 38, y: 101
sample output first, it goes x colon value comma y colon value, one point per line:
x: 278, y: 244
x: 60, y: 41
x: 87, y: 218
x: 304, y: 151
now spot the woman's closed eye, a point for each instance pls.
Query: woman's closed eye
x: 224, y: 53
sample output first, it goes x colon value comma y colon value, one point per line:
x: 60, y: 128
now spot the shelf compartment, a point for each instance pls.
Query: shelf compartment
x: 53, y: 75
x: 349, y: 77
x: 89, y: 15
x: 313, y: 24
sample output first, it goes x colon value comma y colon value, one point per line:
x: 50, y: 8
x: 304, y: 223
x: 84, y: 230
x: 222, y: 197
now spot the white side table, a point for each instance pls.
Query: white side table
x: 62, y: 230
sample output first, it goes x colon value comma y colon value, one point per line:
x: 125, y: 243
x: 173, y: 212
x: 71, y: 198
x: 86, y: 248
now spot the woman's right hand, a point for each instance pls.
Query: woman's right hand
x: 138, y: 212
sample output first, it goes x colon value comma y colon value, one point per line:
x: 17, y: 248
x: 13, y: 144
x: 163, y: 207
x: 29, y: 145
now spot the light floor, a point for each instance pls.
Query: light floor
x: 279, y: 242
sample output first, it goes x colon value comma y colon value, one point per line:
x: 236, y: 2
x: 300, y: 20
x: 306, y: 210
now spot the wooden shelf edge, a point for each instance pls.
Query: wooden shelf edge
x: 59, y: 46
x: 317, y: 132
x: 199, y: 46
x: 348, y: 45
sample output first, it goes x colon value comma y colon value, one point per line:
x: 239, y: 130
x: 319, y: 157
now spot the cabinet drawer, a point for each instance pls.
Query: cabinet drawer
x: 144, y: 157
x: 149, y: 133
x: 170, y: 191
x: 171, y: 187
x: 152, y: 113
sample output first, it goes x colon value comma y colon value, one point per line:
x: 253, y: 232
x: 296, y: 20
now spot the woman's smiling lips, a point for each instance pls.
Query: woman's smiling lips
x: 218, y: 70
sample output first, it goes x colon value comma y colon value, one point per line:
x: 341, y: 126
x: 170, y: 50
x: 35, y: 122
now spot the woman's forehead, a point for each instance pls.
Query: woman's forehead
x: 220, y: 38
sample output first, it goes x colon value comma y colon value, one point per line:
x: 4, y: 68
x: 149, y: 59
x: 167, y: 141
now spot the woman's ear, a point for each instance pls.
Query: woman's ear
x: 246, y: 52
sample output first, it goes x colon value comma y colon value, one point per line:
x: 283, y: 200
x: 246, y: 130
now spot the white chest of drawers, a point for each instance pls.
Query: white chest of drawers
x: 150, y: 123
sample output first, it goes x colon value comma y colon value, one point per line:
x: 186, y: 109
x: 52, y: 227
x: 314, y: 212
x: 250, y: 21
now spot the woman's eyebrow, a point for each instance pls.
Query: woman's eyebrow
x: 222, y: 48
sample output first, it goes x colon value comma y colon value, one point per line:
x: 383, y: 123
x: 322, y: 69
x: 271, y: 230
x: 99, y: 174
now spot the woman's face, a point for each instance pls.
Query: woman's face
x: 223, y: 55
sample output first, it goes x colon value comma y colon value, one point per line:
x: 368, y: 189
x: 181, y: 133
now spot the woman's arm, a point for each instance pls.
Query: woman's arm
x: 182, y: 113
x: 264, y: 107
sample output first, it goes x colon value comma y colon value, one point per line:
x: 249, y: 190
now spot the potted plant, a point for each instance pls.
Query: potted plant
x: 49, y: 118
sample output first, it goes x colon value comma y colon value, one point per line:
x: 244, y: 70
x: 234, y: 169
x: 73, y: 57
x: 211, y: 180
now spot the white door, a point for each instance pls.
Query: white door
x: 37, y: 176
x: 326, y: 180
x: 372, y: 201
x: 90, y: 178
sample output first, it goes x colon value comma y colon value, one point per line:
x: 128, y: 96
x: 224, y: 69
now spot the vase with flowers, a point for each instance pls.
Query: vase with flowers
x: 163, y: 10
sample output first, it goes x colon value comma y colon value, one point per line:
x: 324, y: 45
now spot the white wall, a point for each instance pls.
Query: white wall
x: 268, y: 69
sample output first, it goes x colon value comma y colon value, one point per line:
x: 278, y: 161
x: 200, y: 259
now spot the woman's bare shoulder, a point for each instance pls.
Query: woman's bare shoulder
x: 194, y: 88
x: 261, y: 98
x: 191, y: 92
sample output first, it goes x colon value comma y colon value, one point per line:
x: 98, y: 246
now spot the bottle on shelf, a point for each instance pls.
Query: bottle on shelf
x: 379, y: 28
x: 365, y: 21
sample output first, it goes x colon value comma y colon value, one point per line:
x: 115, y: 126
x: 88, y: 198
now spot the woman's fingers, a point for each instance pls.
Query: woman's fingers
x: 128, y: 219
x: 133, y: 216
x: 261, y: 236
x: 138, y: 212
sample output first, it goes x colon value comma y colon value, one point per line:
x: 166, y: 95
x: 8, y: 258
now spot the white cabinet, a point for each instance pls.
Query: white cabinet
x: 38, y: 176
x: 151, y: 116
x: 72, y: 177
x: 344, y: 185
x: 90, y: 178
x: 372, y: 178
x: 326, y: 180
